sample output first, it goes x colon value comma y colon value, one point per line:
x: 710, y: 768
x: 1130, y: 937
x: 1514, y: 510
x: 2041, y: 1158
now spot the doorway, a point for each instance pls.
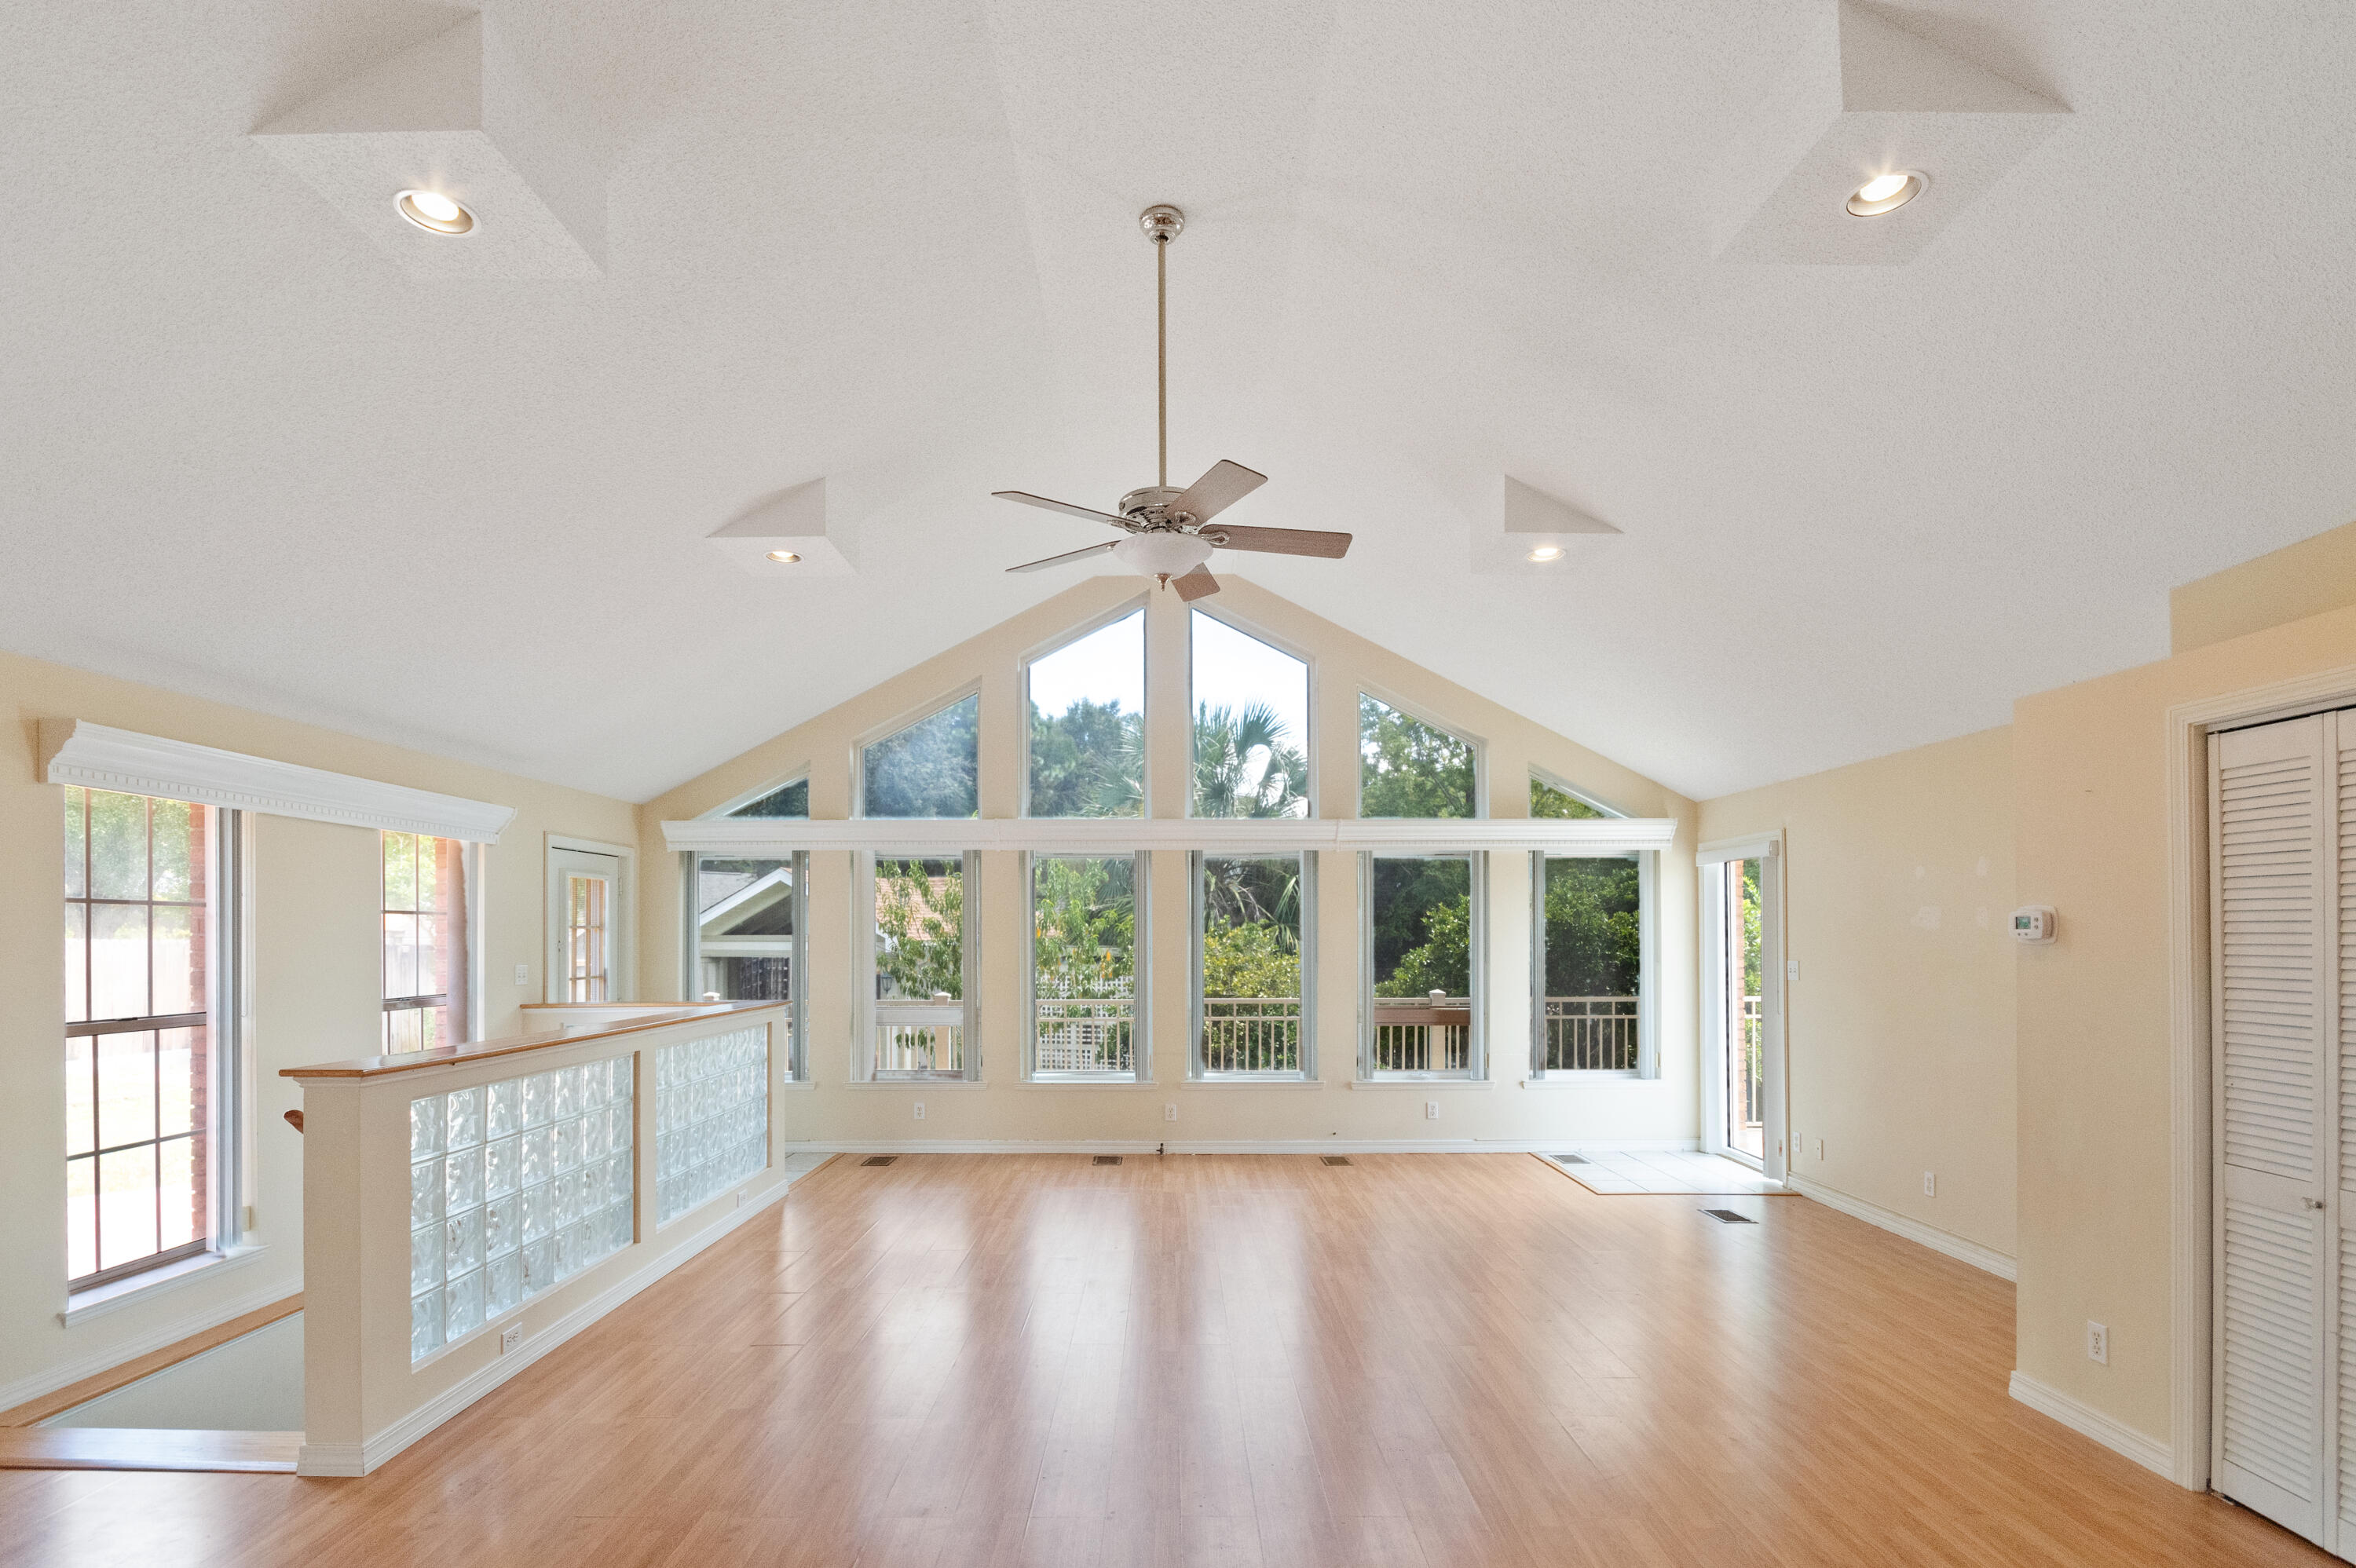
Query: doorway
x: 1742, y: 1032
x: 588, y: 923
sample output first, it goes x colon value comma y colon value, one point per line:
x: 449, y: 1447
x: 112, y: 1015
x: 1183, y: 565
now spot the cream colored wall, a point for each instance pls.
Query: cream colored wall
x: 2091, y: 789
x: 316, y: 892
x: 2273, y: 589
x: 1004, y: 1109
x: 1897, y: 885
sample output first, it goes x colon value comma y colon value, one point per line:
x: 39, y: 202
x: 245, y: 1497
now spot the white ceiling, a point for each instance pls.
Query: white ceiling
x: 895, y: 246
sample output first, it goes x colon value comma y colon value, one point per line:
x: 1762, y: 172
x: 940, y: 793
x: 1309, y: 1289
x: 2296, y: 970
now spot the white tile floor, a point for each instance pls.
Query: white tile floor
x: 1617, y: 1171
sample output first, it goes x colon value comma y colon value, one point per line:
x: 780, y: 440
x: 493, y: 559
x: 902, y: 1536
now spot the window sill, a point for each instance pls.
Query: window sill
x: 1240, y: 1081
x: 791, y: 1085
x: 1581, y: 1078
x: 1409, y: 1081
x: 916, y: 1083
x: 1106, y: 1082
x: 98, y: 1300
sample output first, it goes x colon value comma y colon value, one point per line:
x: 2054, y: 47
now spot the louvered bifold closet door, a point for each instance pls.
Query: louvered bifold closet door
x: 2276, y: 1014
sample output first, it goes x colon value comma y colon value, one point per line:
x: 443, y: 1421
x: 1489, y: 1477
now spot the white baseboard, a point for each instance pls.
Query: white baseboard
x: 33, y: 1385
x: 360, y: 1458
x: 1931, y: 1236
x: 2087, y: 1421
x: 1244, y: 1145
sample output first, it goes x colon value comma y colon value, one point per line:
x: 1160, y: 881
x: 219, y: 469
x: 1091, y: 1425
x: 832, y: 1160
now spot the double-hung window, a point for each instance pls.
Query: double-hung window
x: 150, y: 950
x: 1591, y: 924
x: 918, y: 949
x: 1085, y: 1001
x: 1422, y: 960
x: 428, y: 940
x: 746, y: 918
x: 1252, y: 971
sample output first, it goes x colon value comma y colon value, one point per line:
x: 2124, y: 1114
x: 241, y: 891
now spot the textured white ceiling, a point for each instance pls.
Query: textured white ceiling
x: 895, y: 247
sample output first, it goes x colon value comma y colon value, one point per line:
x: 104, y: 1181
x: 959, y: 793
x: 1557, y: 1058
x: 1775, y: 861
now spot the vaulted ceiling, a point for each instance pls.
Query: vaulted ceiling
x: 248, y: 455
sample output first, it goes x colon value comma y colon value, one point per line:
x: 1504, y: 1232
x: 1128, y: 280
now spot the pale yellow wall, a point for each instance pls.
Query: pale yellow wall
x: 1004, y: 1108
x: 2089, y: 764
x: 1897, y: 884
x: 2273, y: 589
x: 316, y: 892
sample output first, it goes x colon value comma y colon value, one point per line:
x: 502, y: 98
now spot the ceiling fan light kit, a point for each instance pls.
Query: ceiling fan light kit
x: 1168, y: 536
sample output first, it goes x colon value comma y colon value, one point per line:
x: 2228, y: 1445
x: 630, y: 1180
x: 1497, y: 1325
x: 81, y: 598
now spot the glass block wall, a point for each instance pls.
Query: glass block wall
x: 712, y: 1117
x: 514, y: 1187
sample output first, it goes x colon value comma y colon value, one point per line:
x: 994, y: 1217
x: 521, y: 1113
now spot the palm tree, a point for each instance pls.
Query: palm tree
x: 1244, y: 765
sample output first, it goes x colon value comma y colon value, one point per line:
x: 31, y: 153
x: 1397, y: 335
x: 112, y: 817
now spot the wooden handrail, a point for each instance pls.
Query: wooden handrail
x: 294, y: 1120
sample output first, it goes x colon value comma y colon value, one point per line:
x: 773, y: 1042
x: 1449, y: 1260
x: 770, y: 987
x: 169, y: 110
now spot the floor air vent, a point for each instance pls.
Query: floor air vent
x: 879, y: 1159
x: 1729, y: 1217
x: 1334, y: 1158
x: 1107, y: 1159
x: 1568, y: 1158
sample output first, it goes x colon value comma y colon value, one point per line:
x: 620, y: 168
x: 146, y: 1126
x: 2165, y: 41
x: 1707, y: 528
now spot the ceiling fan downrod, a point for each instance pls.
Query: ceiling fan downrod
x: 1162, y: 223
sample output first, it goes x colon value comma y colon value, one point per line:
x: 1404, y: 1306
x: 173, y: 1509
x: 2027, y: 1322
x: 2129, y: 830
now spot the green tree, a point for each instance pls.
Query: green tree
x: 1089, y: 761
x: 1246, y: 765
x: 1407, y: 768
x: 1258, y: 959
x: 1546, y: 801
x: 1443, y: 963
x: 1084, y: 930
x: 926, y: 769
x: 920, y: 928
x: 1423, y: 926
x: 1592, y: 943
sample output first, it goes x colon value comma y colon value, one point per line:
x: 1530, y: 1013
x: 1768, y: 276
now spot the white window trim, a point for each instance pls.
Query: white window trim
x: 472, y: 857
x: 1308, y: 897
x: 1282, y: 645
x: 1421, y: 715
x: 1775, y: 1036
x: 1648, y: 975
x: 936, y: 837
x: 908, y: 719
x: 1140, y: 1033
x: 1476, y: 1056
x: 1056, y: 644
x: 76, y: 752
x: 620, y: 922
x: 691, y: 958
x: 862, y: 968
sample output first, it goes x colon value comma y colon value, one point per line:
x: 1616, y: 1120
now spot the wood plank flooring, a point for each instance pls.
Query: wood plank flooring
x: 1455, y: 1362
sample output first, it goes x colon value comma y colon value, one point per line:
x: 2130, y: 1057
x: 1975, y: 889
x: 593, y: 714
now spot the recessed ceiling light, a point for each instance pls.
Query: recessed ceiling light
x: 433, y: 212
x: 1885, y: 192
x: 784, y: 557
x: 1547, y: 552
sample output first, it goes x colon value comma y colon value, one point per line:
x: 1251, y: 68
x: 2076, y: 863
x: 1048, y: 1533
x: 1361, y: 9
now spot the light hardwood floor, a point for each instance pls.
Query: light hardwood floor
x: 1453, y: 1361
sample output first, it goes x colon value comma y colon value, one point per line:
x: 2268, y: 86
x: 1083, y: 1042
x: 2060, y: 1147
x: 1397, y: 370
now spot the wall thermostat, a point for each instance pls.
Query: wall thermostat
x: 2034, y: 923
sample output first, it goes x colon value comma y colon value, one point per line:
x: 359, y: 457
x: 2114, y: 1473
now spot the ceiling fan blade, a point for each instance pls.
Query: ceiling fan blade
x: 1028, y: 499
x: 1196, y: 584
x: 1067, y: 555
x: 1281, y: 542
x: 1215, y: 492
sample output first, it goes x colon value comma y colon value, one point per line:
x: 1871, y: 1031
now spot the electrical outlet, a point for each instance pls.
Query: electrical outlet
x: 510, y: 1337
x: 1170, y: 1110
x: 920, y: 1110
x: 2098, y: 1343
x: 523, y: 973
x: 744, y: 1196
x: 1431, y: 1110
x: 1820, y: 1148
x: 1930, y: 1184
x: 1791, y: 968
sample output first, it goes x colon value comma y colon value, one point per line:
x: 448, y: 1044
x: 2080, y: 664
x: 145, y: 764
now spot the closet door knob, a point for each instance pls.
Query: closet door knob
x: 2312, y: 1202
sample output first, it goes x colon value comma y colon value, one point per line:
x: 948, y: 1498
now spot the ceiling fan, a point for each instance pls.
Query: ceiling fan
x: 1171, y: 535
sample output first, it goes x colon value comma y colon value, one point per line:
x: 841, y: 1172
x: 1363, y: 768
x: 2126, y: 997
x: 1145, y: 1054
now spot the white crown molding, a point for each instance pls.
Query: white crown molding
x: 2087, y: 1421
x: 1931, y: 1236
x: 76, y: 752
x: 1127, y: 835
